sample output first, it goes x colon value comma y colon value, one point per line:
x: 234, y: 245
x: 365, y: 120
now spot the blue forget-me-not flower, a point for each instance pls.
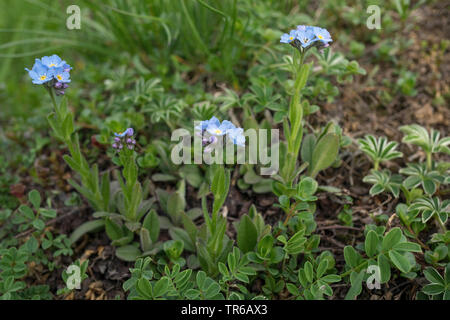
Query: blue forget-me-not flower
x: 219, y: 129
x: 236, y: 135
x: 51, y: 71
x: 288, y: 38
x: 214, y: 128
x: 53, y: 61
x: 305, y: 37
x: 60, y: 75
x: 40, y: 73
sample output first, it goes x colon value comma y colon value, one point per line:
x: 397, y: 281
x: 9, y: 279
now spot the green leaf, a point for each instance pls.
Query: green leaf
x: 146, y: 242
x: 385, y: 268
x: 113, y: 230
x: 376, y: 189
x: 446, y: 295
x: 292, y: 289
x: 175, y: 205
x: 189, y: 226
x: 433, y: 289
x: 400, y: 261
x: 309, y: 272
x: 48, y: 213
x: 151, y: 223
x: 67, y: 125
x: 160, y: 177
x: 128, y: 253
x: 426, y: 215
x: 105, y: 190
x: 371, y: 243
x: 429, y: 186
x: 52, y: 120
x: 220, y: 186
x: 223, y: 269
x: 265, y: 245
x: 32, y: 245
x: 218, y: 181
x: 192, y: 294
x: 192, y: 174
x: 27, y: 212
x: 181, y: 235
x: 307, y: 186
x: 75, y: 166
x: 433, y: 276
x: 251, y: 177
x: 407, y: 246
x: 391, y: 238
x: 126, y: 239
x: 38, y: 224
x: 263, y: 186
x: 323, y: 266
x: 308, y: 144
x: 356, y: 282
x: 90, y: 226
x: 161, y: 287
x: 302, y: 278
x: 144, y: 288
x: 325, y: 153
x: 246, y: 234
x: 351, y: 256
x: 330, y: 278
x: 296, y: 243
x: 35, y: 198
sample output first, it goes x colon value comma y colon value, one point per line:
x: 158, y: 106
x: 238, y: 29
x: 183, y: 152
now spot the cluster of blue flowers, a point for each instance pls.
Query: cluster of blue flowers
x: 305, y: 37
x: 215, y: 129
x: 124, y: 139
x: 51, y: 71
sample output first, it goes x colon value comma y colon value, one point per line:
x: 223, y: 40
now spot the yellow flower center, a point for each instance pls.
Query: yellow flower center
x: 218, y: 131
x: 59, y: 77
x: 320, y: 37
x: 43, y: 77
x: 52, y: 65
x: 291, y: 38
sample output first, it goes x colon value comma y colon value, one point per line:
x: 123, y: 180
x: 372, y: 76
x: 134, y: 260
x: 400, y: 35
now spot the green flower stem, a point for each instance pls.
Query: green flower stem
x: 89, y: 177
x: 52, y: 96
x: 429, y: 161
x: 294, y: 129
x: 376, y: 165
